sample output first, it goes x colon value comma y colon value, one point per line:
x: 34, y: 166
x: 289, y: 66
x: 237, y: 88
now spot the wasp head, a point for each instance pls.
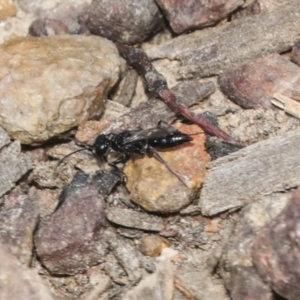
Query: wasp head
x: 101, y: 145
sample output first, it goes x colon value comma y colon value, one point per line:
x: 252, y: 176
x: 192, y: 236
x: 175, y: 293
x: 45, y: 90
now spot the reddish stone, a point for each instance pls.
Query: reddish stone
x: 189, y: 15
x: 276, y: 251
x: 71, y: 241
x: 253, y: 85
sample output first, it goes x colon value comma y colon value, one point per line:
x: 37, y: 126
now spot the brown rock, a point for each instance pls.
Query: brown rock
x: 276, y: 251
x: 18, y: 281
x: 153, y: 187
x: 54, y: 83
x: 127, y: 21
x: 152, y: 245
x: 189, y: 15
x: 71, y: 241
x: 253, y: 85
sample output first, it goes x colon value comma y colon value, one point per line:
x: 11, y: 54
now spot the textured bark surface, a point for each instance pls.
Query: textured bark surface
x: 245, y: 175
x: 206, y: 53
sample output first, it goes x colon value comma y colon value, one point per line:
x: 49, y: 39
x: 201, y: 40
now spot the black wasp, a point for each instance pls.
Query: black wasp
x: 131, y: 142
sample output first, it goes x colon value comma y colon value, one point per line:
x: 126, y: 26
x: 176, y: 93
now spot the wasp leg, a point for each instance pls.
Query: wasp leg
x: 161, y: 160
x: 165, y: 125
x: 122, y: 159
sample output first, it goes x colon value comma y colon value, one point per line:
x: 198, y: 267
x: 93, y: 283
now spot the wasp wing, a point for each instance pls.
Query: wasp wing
x: 159, y: 132
x: 136, y: 136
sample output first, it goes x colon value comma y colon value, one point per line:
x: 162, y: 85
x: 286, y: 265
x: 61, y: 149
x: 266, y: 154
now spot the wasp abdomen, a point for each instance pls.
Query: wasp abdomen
x: 171, y: 140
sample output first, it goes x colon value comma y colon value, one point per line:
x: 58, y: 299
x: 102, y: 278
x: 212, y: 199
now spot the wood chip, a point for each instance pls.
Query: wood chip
x: 244, y: 176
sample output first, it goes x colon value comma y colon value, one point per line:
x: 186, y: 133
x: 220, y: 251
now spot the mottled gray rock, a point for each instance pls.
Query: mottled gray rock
x: 127, y: 255
x: 209, y: 52
x: 18, y: 281
x: 129, y: 22
x: 13, y: 165
x: 18, y: 221
x: 134, y: 219
x: 194, y: 280
x: 54, y: 83
x: 189, y: 15
x: 158, y: 286
x: 236, y: 266
x: 72, y: 239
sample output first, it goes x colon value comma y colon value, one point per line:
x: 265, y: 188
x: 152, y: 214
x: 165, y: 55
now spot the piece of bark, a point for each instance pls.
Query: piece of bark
x: 126, y: 254
x: 245, y: 175
x: 134, y: 219
x: 209, y: 52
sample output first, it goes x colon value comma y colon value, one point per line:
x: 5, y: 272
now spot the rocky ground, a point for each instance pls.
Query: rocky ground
x: 220, y: 219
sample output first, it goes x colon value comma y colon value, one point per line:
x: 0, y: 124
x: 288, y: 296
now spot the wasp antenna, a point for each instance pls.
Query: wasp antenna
x: 60, y: 161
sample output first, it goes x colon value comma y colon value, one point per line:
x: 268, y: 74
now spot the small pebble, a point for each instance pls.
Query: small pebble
x: 152, y: 245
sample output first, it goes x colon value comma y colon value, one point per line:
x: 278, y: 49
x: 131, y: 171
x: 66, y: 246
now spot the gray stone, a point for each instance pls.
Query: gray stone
x: 13, y: 165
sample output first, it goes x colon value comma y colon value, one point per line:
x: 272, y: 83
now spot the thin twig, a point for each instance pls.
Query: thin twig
x: 157, y: 84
